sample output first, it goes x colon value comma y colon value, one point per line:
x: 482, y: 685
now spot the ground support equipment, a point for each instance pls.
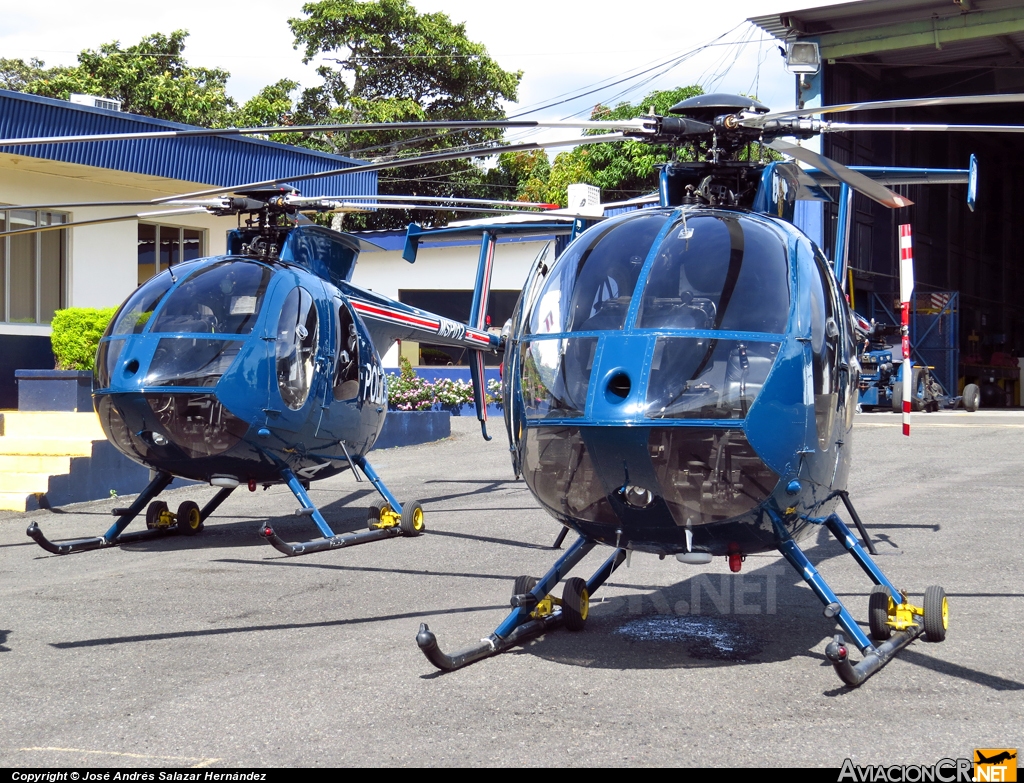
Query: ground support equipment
x: 386, y: 518
x: 160, y: 521
x: 534, y: 610
x: 893, y: 620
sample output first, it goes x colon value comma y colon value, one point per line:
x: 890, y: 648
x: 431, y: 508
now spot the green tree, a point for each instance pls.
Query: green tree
x: 624, y: 169
x: 520, y: 175
x: 387, y: 62
x: 150, y: 78
x: 270, y: 106
x: 15, y: 74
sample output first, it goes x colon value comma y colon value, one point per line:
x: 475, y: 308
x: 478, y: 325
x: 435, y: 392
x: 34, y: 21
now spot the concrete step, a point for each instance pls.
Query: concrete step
x: 13, y: 501
x: 22, y: 463
x: 51, y: 424
x: 45, y: 447
x: 24, y: 483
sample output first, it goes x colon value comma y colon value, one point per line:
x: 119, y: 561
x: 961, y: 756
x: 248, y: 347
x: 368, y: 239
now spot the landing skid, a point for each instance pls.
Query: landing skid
x: 894, y: 622
x: 387, y: 518
x: 188, y: 524
x: 534, y: 611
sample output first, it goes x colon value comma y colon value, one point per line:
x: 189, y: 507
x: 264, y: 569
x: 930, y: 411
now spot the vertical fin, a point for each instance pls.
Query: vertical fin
x: 478, y: 320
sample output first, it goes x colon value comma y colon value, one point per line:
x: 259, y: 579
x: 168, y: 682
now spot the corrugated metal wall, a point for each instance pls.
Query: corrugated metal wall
x: 213, y: 161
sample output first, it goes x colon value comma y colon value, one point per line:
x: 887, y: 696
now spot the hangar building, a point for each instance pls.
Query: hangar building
x: 887, y: 49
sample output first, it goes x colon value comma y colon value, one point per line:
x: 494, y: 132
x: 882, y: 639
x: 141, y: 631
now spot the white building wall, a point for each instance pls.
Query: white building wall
x: 102, y: 264
x: 443, y: 268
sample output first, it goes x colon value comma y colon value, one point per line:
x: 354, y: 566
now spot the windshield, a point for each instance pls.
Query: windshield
x: 224, y: 298
x: 135, y: 313
x: 718, y: 272
x: 592, y: 282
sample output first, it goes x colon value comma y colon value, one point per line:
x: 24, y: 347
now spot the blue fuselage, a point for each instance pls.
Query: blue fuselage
x: 677, y: 375
x: 238, y: 367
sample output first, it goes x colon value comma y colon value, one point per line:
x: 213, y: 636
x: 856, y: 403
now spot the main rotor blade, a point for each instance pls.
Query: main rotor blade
x: 855, y: 180
x: 341, y: 205
x: 219, y: 203
x: 635, y: 125
x: 434, y: 157
x: 176, y: 202
x: 425, y: 199
x: 834, y: 127
x: 908, y: 103
x: 119, y: 218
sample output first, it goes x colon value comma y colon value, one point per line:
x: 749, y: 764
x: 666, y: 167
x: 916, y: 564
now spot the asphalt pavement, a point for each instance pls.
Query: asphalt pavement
x: 218, y: 651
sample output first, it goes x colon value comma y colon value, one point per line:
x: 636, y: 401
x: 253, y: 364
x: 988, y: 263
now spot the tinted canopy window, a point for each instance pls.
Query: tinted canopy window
x: 296, y: 347
x: 221, y: 299
x: 593, y: 281
x: 135, y: 313
x: 718, y: 272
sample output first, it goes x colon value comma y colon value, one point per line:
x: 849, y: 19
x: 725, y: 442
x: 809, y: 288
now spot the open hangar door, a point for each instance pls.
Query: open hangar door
x: 876, y: 50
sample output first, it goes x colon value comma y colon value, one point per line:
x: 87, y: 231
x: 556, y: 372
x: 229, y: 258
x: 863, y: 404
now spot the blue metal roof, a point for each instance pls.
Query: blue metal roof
x: 217, y: 161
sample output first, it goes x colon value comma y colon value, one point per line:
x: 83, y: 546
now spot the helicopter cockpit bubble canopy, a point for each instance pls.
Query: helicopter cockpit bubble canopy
x: 702, y: 297
x: 650, y: 346
x: 204, y: 317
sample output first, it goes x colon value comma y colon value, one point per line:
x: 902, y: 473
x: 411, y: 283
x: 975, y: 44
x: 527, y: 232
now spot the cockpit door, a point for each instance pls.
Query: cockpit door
x: 296, y: 356
x: 827, y: 325
x: 515, y: 412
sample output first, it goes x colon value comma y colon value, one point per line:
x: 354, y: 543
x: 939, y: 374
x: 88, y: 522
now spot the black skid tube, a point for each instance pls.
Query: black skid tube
x: 114, y: 536
x: 320, y: 544
x: 98, y: 542
x: 495, y: 644
x: 855, y: 674
x: 489, y: 647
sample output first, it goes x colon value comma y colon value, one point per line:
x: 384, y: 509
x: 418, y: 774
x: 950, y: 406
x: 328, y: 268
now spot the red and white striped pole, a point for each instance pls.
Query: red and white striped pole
x: 906, y: 291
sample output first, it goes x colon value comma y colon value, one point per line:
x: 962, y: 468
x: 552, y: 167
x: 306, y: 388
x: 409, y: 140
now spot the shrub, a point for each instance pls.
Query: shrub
x: 76, y: 336
x: 494, y: 393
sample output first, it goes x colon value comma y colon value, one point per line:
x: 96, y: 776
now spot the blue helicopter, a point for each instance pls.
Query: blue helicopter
x: 682, y: 379
x: 261, y: 366
x: 258, y: 367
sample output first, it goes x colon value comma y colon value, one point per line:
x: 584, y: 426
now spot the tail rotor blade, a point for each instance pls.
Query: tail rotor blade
x: 906, y: 292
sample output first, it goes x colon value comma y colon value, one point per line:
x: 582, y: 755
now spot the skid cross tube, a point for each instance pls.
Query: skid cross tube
x: 836, y: 650
x: 560, y: 538
x: 842, y: 533
x: 330, y: 540
x: 845, y: 496
x: 803, y: 566
x: 518, y: 626
x: 385, y: 493
x: 214, y: 503
x: 796, y: 558
x: 115, y: 535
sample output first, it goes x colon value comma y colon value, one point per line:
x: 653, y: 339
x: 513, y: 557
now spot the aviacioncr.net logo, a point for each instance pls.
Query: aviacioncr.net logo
x: 942, y: 771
